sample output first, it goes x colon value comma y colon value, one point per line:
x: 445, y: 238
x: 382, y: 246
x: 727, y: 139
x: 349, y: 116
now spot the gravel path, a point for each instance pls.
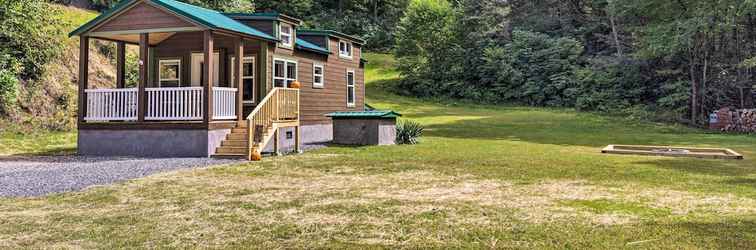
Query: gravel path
x: 34, y: 176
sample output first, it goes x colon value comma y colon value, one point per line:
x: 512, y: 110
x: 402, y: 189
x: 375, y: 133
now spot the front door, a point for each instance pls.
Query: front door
x: 198, y: 74
x: 248, y: 77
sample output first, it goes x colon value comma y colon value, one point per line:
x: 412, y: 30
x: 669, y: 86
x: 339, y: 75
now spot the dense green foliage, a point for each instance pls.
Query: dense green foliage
x: 677, y: 60
x: 8, y: 83
x: 29, y: 34
x: 29, y: 39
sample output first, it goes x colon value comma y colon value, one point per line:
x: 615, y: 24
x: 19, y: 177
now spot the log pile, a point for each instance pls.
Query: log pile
x: 740, y: 120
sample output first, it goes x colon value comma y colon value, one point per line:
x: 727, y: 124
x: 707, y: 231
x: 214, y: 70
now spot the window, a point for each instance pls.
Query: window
x: 169, y: 72
x: 284, y: 33
x: 350, y: 88
x: 284, y: 72
x: 248, y: 77
x: 345, y: 49
x: 318, y: 75
x: 289, y: 134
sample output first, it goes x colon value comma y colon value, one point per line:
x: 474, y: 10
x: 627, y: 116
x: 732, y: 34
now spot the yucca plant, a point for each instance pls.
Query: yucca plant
x: 408, y: 132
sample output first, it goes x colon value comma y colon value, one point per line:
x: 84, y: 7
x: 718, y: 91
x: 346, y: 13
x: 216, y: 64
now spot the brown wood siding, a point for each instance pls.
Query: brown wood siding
x: 316, y: 102
x: 143, y: 16
x: 183, y: 44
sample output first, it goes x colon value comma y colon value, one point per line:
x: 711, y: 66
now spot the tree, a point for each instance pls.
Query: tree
x: 705, y: 37
x: 426, y: 47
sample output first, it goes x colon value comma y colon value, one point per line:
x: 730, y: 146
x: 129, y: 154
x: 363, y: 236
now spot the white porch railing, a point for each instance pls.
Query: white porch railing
x: 163, y: 104
x: 111, y: 104
x: 174, y: 104
x: 224, y: 103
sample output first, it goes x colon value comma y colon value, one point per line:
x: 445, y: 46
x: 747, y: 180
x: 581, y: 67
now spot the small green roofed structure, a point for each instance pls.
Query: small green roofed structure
x: 364, y: 127
x: 376, y: 114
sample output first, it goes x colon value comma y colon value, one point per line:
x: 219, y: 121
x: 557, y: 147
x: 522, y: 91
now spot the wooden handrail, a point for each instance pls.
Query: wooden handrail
x: 281, y: 104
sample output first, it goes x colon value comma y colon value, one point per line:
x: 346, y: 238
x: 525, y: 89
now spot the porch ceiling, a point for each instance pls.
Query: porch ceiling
x: 154, y: 38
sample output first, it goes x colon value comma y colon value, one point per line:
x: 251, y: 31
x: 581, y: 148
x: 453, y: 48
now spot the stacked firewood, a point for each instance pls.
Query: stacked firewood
x: 740, y: 120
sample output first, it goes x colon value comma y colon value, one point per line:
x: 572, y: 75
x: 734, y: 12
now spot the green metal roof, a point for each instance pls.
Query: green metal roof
x: 262, y: 16
x: 210, y: 18
x: 365, y: 114
x: 329, y: 33
x: 305, y: 45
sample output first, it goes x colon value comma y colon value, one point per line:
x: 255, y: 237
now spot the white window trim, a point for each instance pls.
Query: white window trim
x: 290, y: 43
x: 350, y: 51
x: 286, y: 73
x: 354, y: 88
x: 322, y: 76
x: 160, y: 79
x: 251, y: 59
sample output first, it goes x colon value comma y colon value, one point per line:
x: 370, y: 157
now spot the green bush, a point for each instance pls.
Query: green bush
x: 30, y: 32
x: 8, y: 83
x: 533, y: 69
x: 408, y: 132
x: 611, y: 86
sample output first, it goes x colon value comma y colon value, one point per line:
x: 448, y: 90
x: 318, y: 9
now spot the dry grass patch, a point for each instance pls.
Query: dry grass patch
x: 272, y: 204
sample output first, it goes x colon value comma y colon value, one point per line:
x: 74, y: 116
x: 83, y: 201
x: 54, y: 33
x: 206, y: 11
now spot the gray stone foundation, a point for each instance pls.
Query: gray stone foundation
x: 150, y: 142
x: 311, y: 134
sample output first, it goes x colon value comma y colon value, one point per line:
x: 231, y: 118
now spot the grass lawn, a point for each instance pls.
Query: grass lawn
x: 15, y: 140
x: 483, y: 176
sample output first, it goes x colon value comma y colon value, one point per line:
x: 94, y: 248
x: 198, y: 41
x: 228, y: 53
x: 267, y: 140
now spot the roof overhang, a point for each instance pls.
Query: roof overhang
x: 308, y: 46
x: 170, y: 6
x: 330, y: 33
x: 268, y: 16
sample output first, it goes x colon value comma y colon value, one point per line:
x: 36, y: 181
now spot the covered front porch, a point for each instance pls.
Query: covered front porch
x: 166, y: 90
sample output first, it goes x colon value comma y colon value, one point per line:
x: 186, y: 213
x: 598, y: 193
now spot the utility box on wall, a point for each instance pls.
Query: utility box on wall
x: 364, y: 127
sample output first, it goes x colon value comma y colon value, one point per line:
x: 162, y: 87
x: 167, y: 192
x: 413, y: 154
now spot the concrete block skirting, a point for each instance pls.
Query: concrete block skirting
x: 150, y: 143
x: 364, y: 131
x: 311, y: 134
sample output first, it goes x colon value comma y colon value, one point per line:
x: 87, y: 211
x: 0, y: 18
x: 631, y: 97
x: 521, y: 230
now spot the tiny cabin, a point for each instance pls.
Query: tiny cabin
x: 215, y: 84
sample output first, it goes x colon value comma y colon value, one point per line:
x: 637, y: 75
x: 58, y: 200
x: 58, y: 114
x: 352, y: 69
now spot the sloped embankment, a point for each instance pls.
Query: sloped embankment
x: 50, y: 101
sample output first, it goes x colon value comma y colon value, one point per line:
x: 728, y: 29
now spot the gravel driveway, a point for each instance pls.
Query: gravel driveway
x: 34, y: 176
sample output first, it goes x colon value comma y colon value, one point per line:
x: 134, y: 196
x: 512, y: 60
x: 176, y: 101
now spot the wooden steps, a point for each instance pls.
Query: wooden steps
x: 236, y: 143
x: 279, y: 109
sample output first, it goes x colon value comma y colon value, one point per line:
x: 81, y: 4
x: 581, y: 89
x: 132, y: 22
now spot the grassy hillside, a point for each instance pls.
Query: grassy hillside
x: 49, y: 102
x: 482, y: 177
x: 48, y: 105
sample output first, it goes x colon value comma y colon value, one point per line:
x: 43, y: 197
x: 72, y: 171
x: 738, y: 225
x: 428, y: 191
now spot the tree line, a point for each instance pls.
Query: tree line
x: 373, y: 20
x: 671, y: 60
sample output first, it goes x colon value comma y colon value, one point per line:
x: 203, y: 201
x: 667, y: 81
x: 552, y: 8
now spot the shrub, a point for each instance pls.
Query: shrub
x: 8, y: 83
x: 408, y: 132
x: 30, y: 32
x: 612, y: 85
